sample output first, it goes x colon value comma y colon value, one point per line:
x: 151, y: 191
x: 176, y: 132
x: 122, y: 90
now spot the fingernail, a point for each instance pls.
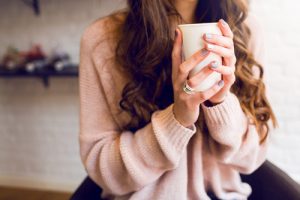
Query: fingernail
x: 221, y: 83
x: 208, y: 36
x: 210, y: 46
x: 214, y: 65
x: 204, y: 52
x: 223, y: 22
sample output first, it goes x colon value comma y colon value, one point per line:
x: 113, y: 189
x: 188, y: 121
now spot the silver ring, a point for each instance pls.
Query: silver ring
x: 187, y: 89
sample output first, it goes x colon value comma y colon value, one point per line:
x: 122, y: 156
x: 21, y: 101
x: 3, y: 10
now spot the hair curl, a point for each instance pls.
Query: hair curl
x: 144, y: 51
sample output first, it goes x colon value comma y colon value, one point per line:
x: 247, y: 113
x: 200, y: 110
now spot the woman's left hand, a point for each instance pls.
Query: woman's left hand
x: 223, y: 46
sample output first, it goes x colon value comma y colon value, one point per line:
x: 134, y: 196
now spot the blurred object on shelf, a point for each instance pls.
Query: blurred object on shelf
x: 35, y: 63
x: 12, y: 59
x: 30, y: 60
x: 59, y: 59
x: 35, y: 58
x: 34, y: 53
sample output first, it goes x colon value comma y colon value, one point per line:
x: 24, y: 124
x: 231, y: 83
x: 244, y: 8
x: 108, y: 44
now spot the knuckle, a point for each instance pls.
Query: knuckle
x: 232, y: 64
x: 195, y: 58
x: 232, y: 80
x: 191, y: 83
x: 233, y: 70
x: 231, y: 43
x: 182, y: 69
x: 231, y: 55
x: 203, y: 96
x: 174, y: 54
x: 234, y: 59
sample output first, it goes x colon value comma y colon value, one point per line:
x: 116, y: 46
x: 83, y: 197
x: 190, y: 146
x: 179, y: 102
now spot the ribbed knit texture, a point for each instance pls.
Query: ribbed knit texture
x: 162, y: 160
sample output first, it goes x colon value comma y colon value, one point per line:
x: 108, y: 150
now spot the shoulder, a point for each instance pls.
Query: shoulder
x: 256, y: 41
x: 101, y: 36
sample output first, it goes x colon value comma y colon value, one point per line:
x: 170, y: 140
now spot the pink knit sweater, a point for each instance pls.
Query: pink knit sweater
x: 163, y: 160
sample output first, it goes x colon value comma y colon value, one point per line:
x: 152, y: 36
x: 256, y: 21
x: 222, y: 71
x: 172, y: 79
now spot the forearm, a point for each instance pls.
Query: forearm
x: 233, y: 139
x: 122, y: 162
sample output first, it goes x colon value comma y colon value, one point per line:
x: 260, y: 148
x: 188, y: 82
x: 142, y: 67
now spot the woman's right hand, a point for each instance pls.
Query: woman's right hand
x: 186, y: 106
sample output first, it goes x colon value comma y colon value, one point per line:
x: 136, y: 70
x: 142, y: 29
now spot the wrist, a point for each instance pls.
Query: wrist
x: 212, y: 102
x: 181, y: 121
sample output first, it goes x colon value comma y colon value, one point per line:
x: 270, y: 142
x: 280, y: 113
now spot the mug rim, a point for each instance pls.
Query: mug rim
x: 198, y: 24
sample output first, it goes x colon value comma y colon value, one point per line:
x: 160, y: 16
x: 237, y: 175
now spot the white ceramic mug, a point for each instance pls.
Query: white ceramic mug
x: 193, y: 41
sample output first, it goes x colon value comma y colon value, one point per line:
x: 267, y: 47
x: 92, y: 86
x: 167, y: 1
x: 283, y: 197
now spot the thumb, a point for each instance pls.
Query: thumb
x: 177, y: 49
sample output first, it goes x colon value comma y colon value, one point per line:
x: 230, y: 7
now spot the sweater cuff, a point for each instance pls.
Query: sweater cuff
x: 169, y: 132
x: 228, y: 112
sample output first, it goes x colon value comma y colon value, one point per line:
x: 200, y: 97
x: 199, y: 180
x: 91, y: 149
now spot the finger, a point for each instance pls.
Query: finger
x: 225, y: 29
x: 225, y: 70
x: 203, y: 96
x: 219, y: 40
x: 192, y: 62
x: 228, y: 83
x: 222, y: 51
x: 200, y: 76
x: 176, y: 52
x: 227, y: 73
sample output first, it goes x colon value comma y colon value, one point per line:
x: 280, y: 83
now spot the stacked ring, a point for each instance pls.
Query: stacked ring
x: 187, y: 89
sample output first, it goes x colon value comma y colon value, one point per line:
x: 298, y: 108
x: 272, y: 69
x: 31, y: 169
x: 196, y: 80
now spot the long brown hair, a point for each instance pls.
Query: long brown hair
x: 144, y: 51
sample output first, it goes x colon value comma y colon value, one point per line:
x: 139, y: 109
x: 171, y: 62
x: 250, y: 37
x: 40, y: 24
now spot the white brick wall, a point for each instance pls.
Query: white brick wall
x: 39, y: 127
x: 280, y: 20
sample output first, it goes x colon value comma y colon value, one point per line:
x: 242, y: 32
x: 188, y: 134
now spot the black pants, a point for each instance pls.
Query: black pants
x: 268, y: 183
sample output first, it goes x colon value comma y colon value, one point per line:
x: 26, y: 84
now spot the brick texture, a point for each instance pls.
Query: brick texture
x: 279, y: 21
x: 38, y: 126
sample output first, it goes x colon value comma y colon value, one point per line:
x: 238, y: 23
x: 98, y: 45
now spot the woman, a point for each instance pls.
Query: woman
x: 142, y: 136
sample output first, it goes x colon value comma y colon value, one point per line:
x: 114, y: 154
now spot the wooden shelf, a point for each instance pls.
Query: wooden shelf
x: 45, y: 74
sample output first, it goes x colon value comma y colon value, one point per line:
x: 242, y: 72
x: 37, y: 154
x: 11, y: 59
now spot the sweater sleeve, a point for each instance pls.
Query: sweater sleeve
x: 234, y: 139
x: 122, y: 162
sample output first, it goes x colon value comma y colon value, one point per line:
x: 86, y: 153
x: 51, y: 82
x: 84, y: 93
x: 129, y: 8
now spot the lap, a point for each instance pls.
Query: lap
x: 267, y: 182
x: 270, y: 182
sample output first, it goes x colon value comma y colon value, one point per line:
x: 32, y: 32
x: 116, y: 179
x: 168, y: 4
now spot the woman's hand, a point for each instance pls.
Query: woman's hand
x: 186, y: 106
x: 223, y: 46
